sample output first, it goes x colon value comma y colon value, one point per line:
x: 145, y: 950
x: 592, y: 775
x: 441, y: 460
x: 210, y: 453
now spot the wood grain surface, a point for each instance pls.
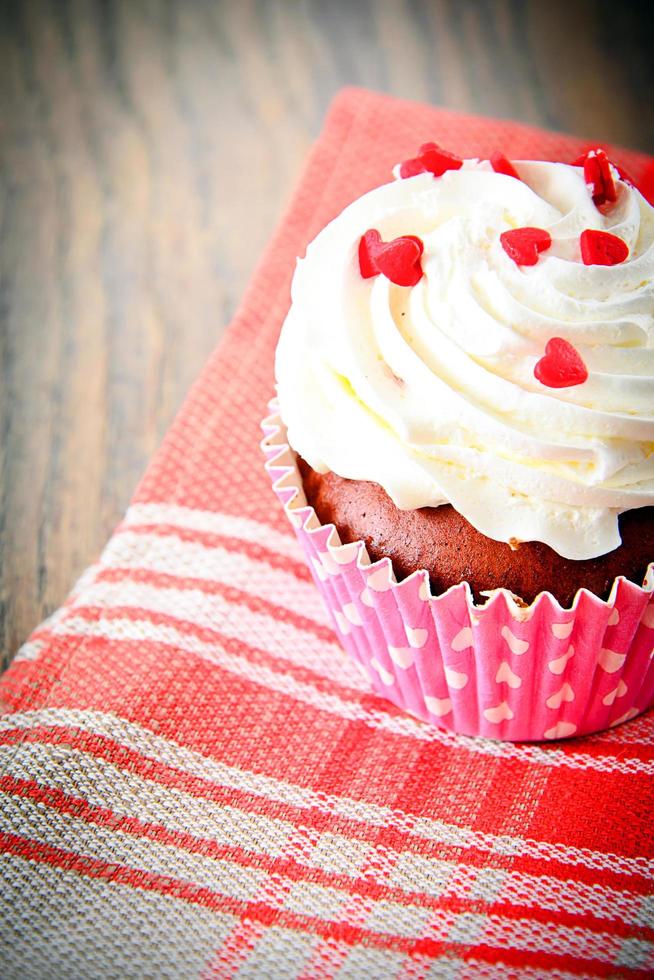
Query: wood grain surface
x: 146, y: 152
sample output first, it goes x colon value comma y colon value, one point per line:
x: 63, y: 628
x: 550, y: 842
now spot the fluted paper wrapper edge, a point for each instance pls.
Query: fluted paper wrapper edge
x: 500, y: 669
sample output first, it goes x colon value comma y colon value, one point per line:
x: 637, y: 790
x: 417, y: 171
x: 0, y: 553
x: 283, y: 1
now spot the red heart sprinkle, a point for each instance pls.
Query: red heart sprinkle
x: 368, y: 247
x: 523, y: 244
x: 501, y: 165
x: 561, y: 366
x: 598, y: 176
x: 398, y: 260
x: 602, y: 248
x: 431, y: 159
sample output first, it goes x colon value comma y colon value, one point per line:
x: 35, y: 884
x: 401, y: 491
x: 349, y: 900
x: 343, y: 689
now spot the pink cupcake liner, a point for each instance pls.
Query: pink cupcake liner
x: 498, y: 669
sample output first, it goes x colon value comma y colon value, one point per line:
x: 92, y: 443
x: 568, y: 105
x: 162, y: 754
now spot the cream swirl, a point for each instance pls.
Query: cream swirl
x: 430, y: 390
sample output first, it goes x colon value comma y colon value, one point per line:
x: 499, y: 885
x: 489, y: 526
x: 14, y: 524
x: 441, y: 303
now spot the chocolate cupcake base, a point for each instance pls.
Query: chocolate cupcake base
x: 441, y: 541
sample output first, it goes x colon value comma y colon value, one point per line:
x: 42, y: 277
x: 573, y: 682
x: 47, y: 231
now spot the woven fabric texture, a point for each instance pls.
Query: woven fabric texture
x: 196, y: 782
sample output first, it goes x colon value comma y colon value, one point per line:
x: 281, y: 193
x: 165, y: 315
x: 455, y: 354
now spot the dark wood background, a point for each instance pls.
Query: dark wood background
x: 147, y: 148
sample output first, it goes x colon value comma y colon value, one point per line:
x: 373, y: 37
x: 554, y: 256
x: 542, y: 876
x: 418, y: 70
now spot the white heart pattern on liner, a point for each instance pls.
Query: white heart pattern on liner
x: 423, y: 591
x: 366, y: 598
x: 456, y: 679
x: 342, y: 623
x: 565, y: 694
x: 561, y: 730
x: 462, y: 640
x: 379, y: 581
x: 558, y: 666
x: 386, y: 676
x: 562, y: 630
x: 610, y: 661
x: 416, y: 637
x: 618, y: 692
x: 319, y: 570
x: 647, y: 619
x: 614, y: 618
x: 625, y: 717
x: 438, y: 706
x: 402, y: 656
x: 514, y: 643
x: 505, y: 675
x: 346, y: 554
x: 328, y: 563
x: 501, y: 712
x: 352, y: 613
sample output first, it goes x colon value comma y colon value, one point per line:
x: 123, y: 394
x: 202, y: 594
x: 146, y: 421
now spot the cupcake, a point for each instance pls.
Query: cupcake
x: 465, y: 440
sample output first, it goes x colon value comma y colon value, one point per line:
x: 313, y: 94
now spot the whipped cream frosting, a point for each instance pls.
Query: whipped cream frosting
x: 430, y: 390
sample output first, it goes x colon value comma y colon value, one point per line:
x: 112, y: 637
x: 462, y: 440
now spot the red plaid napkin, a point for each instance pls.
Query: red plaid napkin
x: 194, y: 779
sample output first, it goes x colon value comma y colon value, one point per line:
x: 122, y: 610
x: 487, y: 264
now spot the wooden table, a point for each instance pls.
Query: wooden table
x: 146, y: 152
